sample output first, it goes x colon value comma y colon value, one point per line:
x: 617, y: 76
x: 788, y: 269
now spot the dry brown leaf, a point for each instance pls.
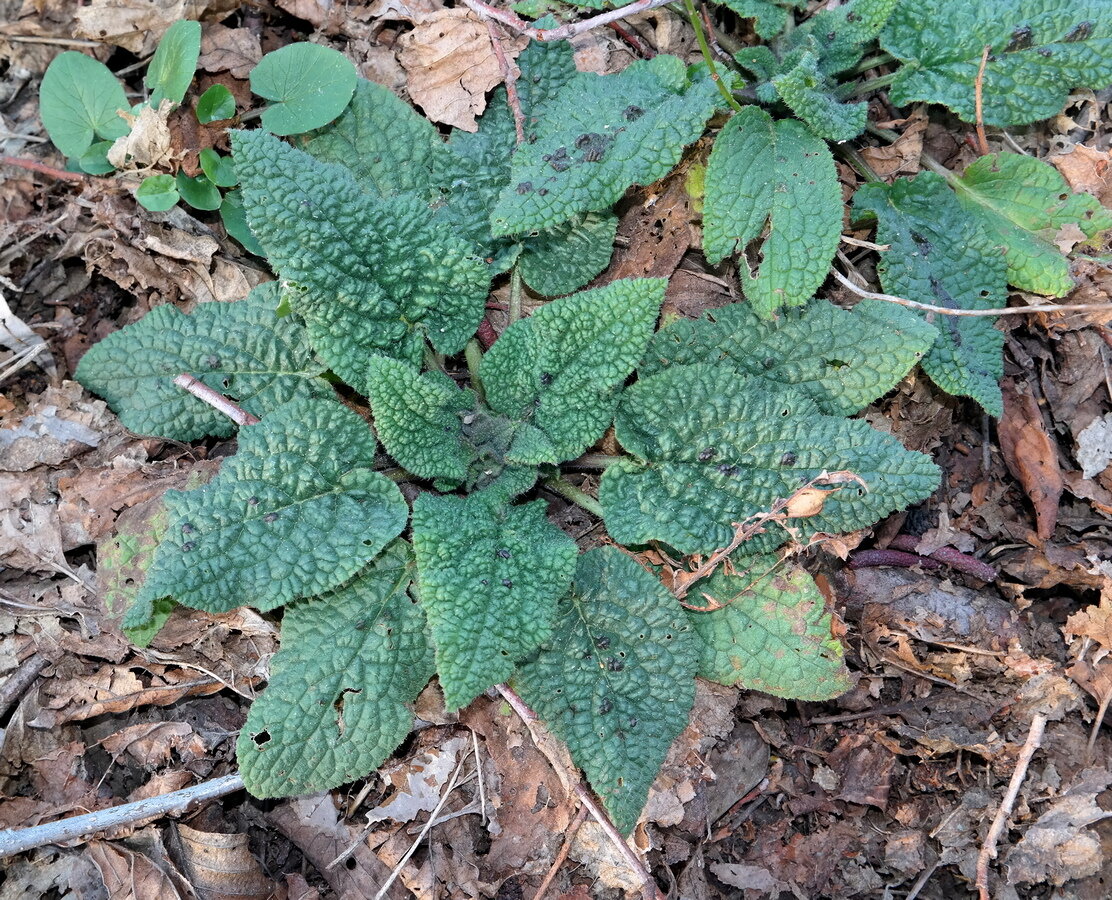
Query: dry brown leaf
x: 220, y: 866
x: 147, y: 145
x: 902, y: 155
x: 30, y: 531
x: 451, y: 65
x: 131, y: 875
x: 1086, y: 169
x: 137, y: 25
x: 232, y: 50
x: 1031, y: 454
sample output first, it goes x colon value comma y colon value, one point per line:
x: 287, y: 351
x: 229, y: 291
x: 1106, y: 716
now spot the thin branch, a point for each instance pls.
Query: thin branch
x: 576, y: 495
x: 17, y: 684
x: 510, y: 73
x: 947, y: 311
x: 216, y: 400
x: 564, y: 32
x: 569, y: 839
x: 32, y: 165
x: 978, y: 88
x: 15, y: 841
x: 649, y: 890
x: 988, y: 849
x: 700, y: 36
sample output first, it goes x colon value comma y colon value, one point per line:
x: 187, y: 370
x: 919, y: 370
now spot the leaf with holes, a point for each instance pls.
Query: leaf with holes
x: 562, y: 368
x: 598, y: 135
x: 776, y: 173
x: 242, y: 350
x: 490, y: 576
x: 370, y: 276
x: 615, y: 680
x: 941, y: 255
x: 297, y: 511
x: 841, y: 360
x: 1039, y: 50
x: 711, y: 449
x: 771, y: 632
x: 1023, y: 202
x: 337, y: 702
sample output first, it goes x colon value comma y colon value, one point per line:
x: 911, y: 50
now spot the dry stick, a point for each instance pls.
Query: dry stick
x: 14, y: 841
x: 978, y: 85
x: 216, y: 400
x: 988, y: 851
x: 569, y: 839
x: 43, y: 39
x: 532, y: 720
x: 510, y: 73
x: 947, y: 311
x: 564, y: 32
x: 32, y: 165
x: 16, y: 684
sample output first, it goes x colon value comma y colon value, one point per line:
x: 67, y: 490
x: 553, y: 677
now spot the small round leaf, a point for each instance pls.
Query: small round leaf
x: 199, y: 192
x: 308, y: 85
x: 220, y: 170
x: 78, y: 102
x: 215, y: 105
x: 157, y: 193
x: 94, y: 161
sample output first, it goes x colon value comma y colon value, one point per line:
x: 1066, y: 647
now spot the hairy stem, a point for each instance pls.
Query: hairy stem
x: 514, y: 312
x: 704, y: 48
x: 576, y: 495
x: 473, y: 353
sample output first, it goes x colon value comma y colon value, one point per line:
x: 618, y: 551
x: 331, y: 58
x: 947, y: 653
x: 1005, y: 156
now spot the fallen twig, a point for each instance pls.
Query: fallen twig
x: 510, y: 73
x: 569, y: 839
x: 564, y: 32
x: 216, y: 400
x: 978, y: 88
x: 19, y: 840
x: 16, y: 684
x: 948, y: 556
x: 32, y: 165
x: 948, y: 311
x: 649, y: 890
x: 988, y: 849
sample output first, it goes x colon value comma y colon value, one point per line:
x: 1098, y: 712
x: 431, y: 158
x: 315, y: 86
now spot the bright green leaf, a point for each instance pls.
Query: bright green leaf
x: 78, y: 102
x: 771, y: 634
x: 94, y: 161
x: 771, y: 18
x: 841, y: 360
x: 198, y: 192
x: 174, y: 62
x: 419, y: 419
x: 489, y: 577
x: 615, y: 680
x: 597, y: 136
x: 561, y: 369
x: 810, y: 94
x: 712, y: 449
x: 1040, y: 50
x: 309, y: 86
x: 220, y: 170
x: 776, y: 173
x: 297, y: 511
x: 370, y: 276
x: 157, y: 193
x: 940, y: 255
x: 1022, y: 202
x: 215, y: 105
x: 239, y: 349
x: 337, y: 701
x: 234, y: 217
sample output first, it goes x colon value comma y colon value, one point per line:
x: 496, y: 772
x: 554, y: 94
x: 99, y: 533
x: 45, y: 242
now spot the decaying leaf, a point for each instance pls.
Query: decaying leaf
x: 1031, y: 454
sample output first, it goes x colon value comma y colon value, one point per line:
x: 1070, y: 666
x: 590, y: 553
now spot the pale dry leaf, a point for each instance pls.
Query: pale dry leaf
x: 451, y: 65
x: 1068, y: 237
x: 148, y: 144
x: 221, y: 865
x: 418, y: 782
x: 1088, y: 170
x: 232, y: 50
x: 135, y: 25
x: 1094, y: 446
x: 130, y: 874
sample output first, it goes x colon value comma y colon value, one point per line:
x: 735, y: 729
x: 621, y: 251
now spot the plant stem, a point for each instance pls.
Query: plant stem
x: 515, y: 295
x: 873, y: 84
x: 593, y: 461
x: 434, y: 360
x: 704, y: 48
x: 871, y: 62
x: 576, y: 495
x: 857, y: 161
x: 473, y: 353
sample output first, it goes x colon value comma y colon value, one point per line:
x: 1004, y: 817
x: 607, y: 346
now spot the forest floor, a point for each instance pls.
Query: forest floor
x: 886, y: 792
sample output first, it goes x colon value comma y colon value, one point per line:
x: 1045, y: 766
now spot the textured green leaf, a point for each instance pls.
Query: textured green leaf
x: 174, y: 62
x: 597, y: 136
x: 309, y: 85
x: 810, y: 95
x: 489, y: 577
x: 713, y: 449
x: 1022, y: 202
x: 388, y: 147
x: 123, y: 559
x: 561, y: 369
x: 1040, y: 50
x: 336, y: 704
x: 777, y: 173
x: 297, y: 511
x: 940, y: 255
x: 615, y: 681
x: 567, y: 256
x: 841, y: 360
x: 839, y: 36
x: 418, y: 419
x: 772, y: 634
x: 771, y: 18
x: 370, y: 276
x: 78, y: 101
x: 240, y: 349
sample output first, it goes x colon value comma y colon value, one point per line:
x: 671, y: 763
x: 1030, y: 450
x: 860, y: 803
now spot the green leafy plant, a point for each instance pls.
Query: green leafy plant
x: 733, y: 429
